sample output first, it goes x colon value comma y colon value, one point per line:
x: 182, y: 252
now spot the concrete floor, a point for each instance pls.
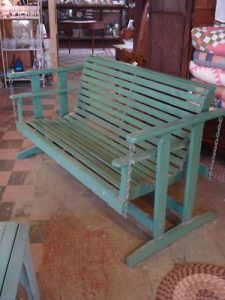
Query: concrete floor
x: 78, y: 243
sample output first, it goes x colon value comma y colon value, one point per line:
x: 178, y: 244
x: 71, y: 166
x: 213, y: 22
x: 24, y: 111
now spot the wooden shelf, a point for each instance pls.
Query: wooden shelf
x: 19, y: 18
x: 110, y: 38
x: 21, y: 49
x: 88, y: 6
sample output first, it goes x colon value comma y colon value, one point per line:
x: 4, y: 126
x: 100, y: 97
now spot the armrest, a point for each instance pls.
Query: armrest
x: 148, y: 154
x: 137, y: 157
x: 42, y: 93
x: 171, y: 127
x: 44, y: 71
x: 37, y: 93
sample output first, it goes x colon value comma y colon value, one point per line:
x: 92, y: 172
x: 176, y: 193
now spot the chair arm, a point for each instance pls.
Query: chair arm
x: 148, y: 154
x: 42, y: 93
x: 137, y: 157
x: 44, y: 71
x: 37, y: 93
x: 171, y: 127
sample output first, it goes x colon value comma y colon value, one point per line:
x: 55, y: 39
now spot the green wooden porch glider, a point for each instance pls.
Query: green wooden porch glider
x: 133, y: 132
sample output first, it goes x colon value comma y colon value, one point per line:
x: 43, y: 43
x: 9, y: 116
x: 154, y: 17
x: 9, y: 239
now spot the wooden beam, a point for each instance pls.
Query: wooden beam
x: 53, y: 37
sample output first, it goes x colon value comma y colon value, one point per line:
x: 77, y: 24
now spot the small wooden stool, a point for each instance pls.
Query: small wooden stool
x: 15, y: 262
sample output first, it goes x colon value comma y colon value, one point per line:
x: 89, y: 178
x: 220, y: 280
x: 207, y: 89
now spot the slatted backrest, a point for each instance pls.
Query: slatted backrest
x: 122, y: 98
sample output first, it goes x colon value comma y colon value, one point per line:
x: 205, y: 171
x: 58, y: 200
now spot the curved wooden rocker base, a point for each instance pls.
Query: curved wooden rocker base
x: 167, y: 239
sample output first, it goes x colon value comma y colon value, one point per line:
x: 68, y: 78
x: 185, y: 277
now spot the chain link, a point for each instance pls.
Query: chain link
x: 213, y: 158
x: 130, y: 164
x: 15, y: 108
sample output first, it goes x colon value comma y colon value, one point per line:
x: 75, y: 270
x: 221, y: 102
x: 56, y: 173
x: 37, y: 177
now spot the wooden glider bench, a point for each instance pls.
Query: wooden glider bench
x: 15, y: 262
x: 133, y: 132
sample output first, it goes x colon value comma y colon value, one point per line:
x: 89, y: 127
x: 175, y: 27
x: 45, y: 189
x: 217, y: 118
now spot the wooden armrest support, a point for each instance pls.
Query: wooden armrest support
x: 44, y: 71
x: 42, y: 93
x: 143, y: 155
x: 171, y: 127
x: 37, y: 93
x: 137, y: 157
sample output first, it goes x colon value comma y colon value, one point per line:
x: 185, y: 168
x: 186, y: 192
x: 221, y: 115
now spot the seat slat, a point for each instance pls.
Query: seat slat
x: 89, y: 161
x: 138, y: 171
x: 78, y: 141
x: 90, y: 133
x: 176, y: 159
x: 29, y: 129
x: 100, y: 133
x: 103, y: 159
x: 144, y: 167
x: 84, y: 148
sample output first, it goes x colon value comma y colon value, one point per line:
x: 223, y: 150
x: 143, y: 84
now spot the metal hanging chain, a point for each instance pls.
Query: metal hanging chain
x: 213, y: 159
x: 15, y: 108
x: 130, y: 164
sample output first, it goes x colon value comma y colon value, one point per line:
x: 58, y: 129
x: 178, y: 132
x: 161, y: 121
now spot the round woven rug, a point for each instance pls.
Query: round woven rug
x: 193, y: 282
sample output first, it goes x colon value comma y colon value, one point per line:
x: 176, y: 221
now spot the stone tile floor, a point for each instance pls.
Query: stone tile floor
x: 78, y: 243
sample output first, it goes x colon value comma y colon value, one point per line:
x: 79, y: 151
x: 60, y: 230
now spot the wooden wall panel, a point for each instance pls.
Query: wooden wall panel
x: 139, y: 7
x: 168, y: 5
x: 204, y: 12
x: 169, y: 36
x: 164, y: 49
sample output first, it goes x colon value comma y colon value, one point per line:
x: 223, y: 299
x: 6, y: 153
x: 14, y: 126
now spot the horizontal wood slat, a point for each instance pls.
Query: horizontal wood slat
x: 178, y: 83
x: 146, y: 90
x: 114, y: 143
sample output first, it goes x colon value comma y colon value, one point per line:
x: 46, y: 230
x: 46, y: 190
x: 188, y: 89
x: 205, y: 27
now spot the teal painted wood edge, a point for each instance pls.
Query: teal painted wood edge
x: 171, y: 127
x: 74, y: 168
x: 203, y: 170
x: 8, y: 233
x: 172, y: 204
x: 28, y: 152
x: 144, y: 155
x: 140, y: 216
x: 167, y: 239
x: 163, y: 77
x: 45, y: 71
x: 208, y: 100
x: 44, y: 93
x: 192, y: 171
x: 137, y: 157
x: 161, y: 185
x: 63, y: 96
x: 142, y: 190
x: 15, y: 264
x: 37, y: 104
x: 25, y: 283
x: 30, y: 274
